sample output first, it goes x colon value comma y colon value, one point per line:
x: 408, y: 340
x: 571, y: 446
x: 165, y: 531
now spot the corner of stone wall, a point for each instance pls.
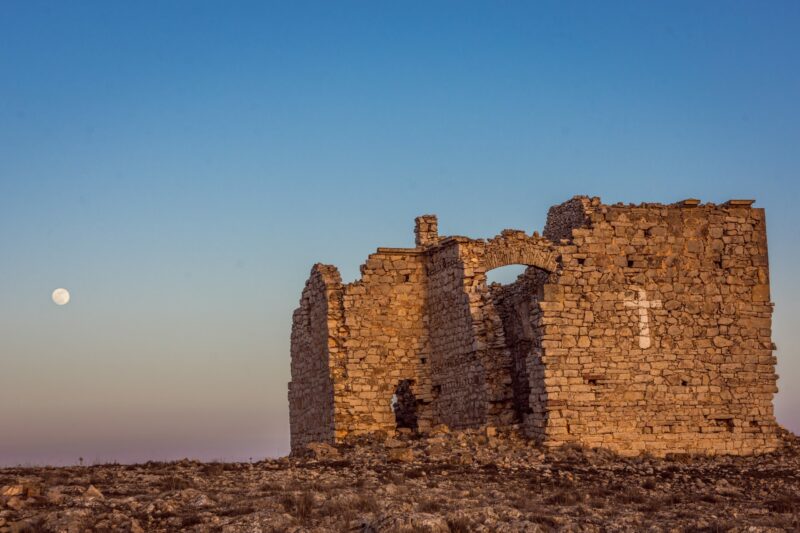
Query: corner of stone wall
x: 328, y: 273
x: 315, y: 349
x: 572, y: 214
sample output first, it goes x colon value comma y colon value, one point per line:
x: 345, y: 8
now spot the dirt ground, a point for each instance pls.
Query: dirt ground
x: 450, y: 482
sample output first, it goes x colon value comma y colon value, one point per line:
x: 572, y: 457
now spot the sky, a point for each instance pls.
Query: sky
x: 180, y: 166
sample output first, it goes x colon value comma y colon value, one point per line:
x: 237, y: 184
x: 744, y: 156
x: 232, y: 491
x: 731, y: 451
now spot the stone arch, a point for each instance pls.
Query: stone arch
x: 514, y: 247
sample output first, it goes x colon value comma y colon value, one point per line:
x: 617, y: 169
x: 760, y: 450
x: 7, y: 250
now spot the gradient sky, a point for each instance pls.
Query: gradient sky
x: 179, y: 166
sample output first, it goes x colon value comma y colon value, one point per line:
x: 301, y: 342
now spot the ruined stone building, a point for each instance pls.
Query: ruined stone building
x: 635, y: 328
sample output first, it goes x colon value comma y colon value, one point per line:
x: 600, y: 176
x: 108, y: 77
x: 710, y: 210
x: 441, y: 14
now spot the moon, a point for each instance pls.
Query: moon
x: 61, y: 296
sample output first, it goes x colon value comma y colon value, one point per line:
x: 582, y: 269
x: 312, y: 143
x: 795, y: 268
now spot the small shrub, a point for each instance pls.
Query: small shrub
x: 631, y: 495
x: 347, y: 508
x: 429, y: 506
x: 415, y: 473
x: 395, y: 478
x: 213, y: 469
x: 527, y: 505
x: 709, y: 498
x: 597, y: 503
x: 173, y: 482
x: 237, y: 510
x: 652, y: 506
x: 572, y: 453
x: 673, y: 498
x: 458, y: 525
x: 784, y: 503
x: 716, y: 527
x: 271, y: 486
x: 363, y: 503
x: 563, y: 497
x: 367, y: 503
x: 191, y: 520
x: 300, y: 506
x: 543, y: 519
x: 339, y: 464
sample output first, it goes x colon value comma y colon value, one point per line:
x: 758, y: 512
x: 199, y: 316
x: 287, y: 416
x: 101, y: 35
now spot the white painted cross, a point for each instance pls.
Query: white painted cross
x: 641, y: 302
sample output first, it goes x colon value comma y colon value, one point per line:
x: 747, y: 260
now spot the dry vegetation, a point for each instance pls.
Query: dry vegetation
x: 452, y: 482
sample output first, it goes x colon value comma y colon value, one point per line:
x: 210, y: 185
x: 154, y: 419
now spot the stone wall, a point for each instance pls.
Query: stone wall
x: 386, y: 342
x: 657, y: 329
x: 635, y: 327
x: 458, y: 380
x: 315, y: 326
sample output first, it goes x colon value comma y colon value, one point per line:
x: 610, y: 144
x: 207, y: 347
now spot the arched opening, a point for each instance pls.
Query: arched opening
x: 505, y: 274
x: 404, y: 405
x: 515, y: 294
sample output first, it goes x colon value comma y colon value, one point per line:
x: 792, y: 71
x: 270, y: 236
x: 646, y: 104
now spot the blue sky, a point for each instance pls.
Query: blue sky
x: 180, y: 166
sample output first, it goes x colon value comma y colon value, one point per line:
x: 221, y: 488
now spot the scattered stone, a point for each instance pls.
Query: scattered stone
x: 15, y: 502
x: 400, y: 455
x: 12, y: 490
x: 322, y: 450
x: 511, y: 487
x: 421, y: 522
x: 54, y: 496
x: 22, y: 526
x: 92, y: 493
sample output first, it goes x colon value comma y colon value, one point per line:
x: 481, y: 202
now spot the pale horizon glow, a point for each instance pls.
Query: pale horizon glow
x: 181, y: 166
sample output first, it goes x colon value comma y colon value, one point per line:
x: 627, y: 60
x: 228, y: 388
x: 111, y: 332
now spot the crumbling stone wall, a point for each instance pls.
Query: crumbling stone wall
x: 635, y: 328
x: 385, y: 338
x: 315, y: 327
x: 458, y: 380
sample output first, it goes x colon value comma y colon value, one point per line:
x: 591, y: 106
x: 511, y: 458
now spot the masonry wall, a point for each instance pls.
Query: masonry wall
x: 698, y: 376
x: 386, y: 344
x: 458, y: 377
x: 314, y: 328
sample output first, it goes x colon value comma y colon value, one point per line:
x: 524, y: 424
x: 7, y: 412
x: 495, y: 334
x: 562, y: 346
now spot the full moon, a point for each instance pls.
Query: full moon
x: 61, y: 296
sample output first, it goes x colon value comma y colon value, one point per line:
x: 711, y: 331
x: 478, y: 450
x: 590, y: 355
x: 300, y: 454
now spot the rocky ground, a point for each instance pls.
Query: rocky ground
x: 471, y: 481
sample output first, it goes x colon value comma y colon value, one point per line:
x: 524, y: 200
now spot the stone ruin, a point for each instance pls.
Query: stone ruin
x: 637, y: 328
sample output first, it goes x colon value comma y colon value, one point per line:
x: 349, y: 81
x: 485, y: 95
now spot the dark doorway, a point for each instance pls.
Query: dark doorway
x: 404, y: 405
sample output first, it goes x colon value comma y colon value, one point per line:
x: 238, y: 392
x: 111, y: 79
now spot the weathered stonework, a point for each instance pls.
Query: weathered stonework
x: 635, y: 328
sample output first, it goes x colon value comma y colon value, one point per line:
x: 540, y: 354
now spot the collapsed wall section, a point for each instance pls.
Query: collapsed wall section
x: 657, y: 333
x: 314, y: 348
